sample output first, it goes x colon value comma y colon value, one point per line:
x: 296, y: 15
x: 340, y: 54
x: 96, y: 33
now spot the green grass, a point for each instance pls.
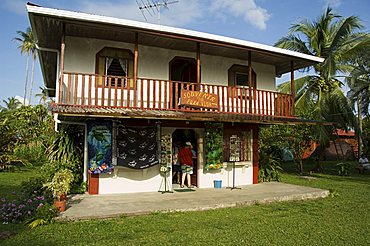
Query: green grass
x: 10, y: 185
x: 341, y: 220
x: 10, y: 182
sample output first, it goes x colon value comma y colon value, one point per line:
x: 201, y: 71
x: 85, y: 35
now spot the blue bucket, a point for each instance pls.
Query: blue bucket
x: 217, y: 184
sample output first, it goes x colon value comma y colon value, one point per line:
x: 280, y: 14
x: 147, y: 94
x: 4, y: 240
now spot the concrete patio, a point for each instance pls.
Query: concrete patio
x: 85, y: 206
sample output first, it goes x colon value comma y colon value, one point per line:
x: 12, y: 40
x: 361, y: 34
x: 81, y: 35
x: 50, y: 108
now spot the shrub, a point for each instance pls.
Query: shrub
x: 269, y: 168
x: 343, y: 168
x: 44, y: 215
x: 32, y: 152
x: 61, y: 183
x: 17, y: 210
x: 35, y: 187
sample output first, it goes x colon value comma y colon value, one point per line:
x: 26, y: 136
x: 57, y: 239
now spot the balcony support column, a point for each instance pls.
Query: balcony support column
x: 61, y: 66
x: 255, y: 134
x: 250, y: 80
x: 136, y: 58
x: 198, y: 66
x: 292, y: 87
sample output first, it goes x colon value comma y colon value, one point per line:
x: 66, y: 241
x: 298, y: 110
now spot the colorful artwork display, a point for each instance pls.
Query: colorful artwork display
x: 137, y: 147
x: 214, y: 144
x: 99, y: 141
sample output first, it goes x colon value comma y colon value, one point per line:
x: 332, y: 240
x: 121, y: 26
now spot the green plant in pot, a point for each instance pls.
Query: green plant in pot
x: 60, y: 186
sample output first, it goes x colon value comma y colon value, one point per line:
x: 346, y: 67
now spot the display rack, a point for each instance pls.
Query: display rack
x: 165, y: 164
x: 234, y: 156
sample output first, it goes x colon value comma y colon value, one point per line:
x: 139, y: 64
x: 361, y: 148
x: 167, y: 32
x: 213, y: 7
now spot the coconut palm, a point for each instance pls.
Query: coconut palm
x: 27, y: 47
x: 11, y: 104
x: 335, y: 39
x: 359, y: 82
x: 44, y: 99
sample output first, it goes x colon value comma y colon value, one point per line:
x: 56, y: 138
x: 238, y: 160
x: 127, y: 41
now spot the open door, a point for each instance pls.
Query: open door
x: 187, y: 135
x: 182, y: 69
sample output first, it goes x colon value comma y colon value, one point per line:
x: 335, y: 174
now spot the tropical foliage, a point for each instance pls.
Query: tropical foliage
x: 21, y: 129
x: 336, y: 39
x: 359, y: 81
x: 214, y: 142
x: 11, y: 104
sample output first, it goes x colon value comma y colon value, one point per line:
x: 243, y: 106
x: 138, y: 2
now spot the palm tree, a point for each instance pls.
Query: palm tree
x: 335, y: 39
x: 358, y: 81
x: 27, y: 46
x: 43, y: 95
x: 11, y: 104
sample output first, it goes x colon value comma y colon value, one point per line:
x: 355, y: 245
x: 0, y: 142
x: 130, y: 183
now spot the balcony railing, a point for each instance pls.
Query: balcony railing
x: 153, y: 94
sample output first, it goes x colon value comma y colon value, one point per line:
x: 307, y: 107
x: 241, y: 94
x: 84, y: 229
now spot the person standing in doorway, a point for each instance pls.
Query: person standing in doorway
x: 186, y: 160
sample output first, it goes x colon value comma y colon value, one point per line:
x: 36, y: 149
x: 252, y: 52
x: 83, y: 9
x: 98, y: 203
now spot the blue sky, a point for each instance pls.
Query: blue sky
x: 263, y: 21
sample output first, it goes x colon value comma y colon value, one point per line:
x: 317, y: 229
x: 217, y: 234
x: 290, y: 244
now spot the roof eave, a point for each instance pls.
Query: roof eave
x: 170, y: 30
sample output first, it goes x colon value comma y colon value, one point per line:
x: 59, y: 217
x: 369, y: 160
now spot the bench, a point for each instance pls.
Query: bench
x: 361, y: 169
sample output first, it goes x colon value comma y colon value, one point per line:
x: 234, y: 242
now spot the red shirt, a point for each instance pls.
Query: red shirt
x: 186, y: 156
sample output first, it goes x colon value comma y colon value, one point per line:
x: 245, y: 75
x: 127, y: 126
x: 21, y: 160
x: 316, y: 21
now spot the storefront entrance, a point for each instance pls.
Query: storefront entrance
x: 179, y: 138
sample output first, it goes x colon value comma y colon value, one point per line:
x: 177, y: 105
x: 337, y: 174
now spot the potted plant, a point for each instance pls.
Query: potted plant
x: 60, y: 186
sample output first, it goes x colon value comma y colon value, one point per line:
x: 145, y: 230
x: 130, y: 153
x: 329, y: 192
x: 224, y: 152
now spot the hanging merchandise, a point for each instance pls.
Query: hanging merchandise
x: 99, y: 147
x: 137, y: 147
x: 166, y: 150
x: 214, y: 142
x: 237, y: 145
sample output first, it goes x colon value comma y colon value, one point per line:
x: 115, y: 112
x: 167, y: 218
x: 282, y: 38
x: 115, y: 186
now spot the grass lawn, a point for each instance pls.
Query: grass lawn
x: 340, y: 220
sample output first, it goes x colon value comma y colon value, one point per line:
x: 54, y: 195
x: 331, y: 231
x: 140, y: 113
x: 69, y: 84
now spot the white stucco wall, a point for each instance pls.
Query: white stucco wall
x: 215, y: 71
x: 126, y: 180
x: 80, y: 55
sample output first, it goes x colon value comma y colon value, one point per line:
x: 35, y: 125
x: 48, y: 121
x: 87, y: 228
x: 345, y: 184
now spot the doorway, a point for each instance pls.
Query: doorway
x: 182, y: 69
x: 181, y: 136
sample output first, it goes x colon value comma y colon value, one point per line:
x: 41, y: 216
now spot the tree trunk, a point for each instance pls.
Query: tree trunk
x: 359, y: 127
x: 32, y: 74
x: 25, y: 83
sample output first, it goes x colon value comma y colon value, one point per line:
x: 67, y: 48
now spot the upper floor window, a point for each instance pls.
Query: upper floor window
x: 116, y: 65
x: 238, y: 76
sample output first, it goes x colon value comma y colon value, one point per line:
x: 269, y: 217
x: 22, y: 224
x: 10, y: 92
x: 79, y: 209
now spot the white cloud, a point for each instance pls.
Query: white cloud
x: 183, y: 12
x: 247, y: 9
x: 333, y: 3
x: 21, y: 99
x: 14, y: 6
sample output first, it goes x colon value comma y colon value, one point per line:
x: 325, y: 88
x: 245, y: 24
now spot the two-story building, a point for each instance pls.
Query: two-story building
x: 143, y: 89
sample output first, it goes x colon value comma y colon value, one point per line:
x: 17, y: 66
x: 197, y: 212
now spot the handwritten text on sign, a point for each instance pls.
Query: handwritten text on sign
x: 199, y: 99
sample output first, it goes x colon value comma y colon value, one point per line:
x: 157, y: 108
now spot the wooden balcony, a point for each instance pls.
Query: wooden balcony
x: 88, y: 90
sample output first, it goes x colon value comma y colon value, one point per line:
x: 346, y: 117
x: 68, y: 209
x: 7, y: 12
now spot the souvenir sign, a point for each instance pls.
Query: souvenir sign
x: 199, y: 99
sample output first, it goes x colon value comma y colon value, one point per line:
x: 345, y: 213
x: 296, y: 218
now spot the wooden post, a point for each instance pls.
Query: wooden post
x: 359, y: 115
x: 250, y: 80
x: 136, y: 57
x: 93, y: 184
x: 198, y: 66
x: 255, y: 154
x: 61, y: 67
x: 292, y: 89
